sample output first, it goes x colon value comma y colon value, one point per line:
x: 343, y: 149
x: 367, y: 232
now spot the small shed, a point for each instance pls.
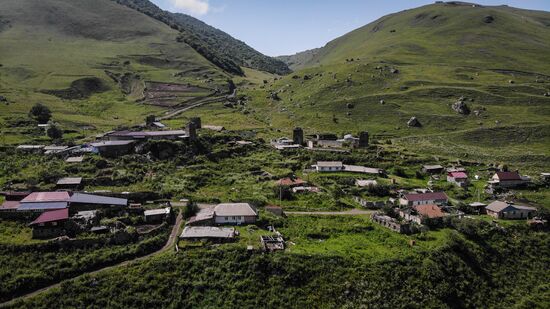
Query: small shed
x: 432, y: 169
x: 74, y: 159
x: 157, y: 215
x: 69, y: 183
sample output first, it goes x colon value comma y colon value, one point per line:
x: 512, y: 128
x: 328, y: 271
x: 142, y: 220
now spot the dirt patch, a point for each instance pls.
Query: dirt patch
x: 507, y: 135
x: 171, y: 94
x: 129, y: 83
x: 80, y: 89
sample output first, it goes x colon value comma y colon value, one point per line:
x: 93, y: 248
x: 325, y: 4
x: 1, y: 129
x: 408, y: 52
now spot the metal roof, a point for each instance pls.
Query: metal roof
x: 234, y: 209
x: 329, y: 164
x: 42, y: 206
x: 160, y: 211
x: 207, y: 232
x: 498, y: 206
x: 362, y: 169
x: 110, y: 143
x: 70, y: 181
x: 81, y: 198
x: 37, y: 197
x: 508, y: 176
x: 52, y: 216
x: 74, y: 159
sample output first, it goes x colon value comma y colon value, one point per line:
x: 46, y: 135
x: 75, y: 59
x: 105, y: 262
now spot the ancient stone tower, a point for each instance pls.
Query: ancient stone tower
x: 192, y: 130
x: 298, y: 136
x: 197, y: 122
x: 364, y: 139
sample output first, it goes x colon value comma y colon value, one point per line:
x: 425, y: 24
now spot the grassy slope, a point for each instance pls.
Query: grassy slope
x: 439, y: 60
x: 38, y: 54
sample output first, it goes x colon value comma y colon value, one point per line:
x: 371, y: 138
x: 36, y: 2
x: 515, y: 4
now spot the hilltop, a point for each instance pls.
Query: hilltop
x: 452, y: 33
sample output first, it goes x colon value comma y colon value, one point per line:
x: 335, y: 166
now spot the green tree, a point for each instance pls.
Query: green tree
x: 41, y: 113
x: 54, y: 132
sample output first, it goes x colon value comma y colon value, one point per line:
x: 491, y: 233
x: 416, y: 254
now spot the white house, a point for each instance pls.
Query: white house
x: 329, y: 166
x: 235, y: 213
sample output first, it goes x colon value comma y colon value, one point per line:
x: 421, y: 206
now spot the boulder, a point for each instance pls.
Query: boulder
x: 274, y: 96
x: 3, y: 99
x: 350, y: 105
x: 394, y: 71
x: 461, y: 107
x: 488, y: 19
x: 547, y: 94
x: 382, y: 102
x: 414, y: 122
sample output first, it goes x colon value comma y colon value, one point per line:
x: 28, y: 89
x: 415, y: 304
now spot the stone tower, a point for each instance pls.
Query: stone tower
x: 298, y: 136
x: 363, y: 139
x: 197, y: 122
x: 192, y: 130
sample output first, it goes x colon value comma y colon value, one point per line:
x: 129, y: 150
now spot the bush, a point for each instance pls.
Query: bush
x: 54, y: 132
x: 41, y: 113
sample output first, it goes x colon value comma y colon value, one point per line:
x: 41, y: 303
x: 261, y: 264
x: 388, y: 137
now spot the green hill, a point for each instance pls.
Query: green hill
x: 450, y: 33
x: 214, y: 44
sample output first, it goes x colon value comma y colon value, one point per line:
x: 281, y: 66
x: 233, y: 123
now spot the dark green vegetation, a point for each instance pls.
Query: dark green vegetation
x: 214, y: 44
x: 28, y: 267
x: 480, y: 266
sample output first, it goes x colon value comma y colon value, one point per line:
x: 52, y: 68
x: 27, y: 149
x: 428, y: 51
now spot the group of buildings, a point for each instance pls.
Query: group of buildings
x: 60, y: 213
x: 321, y: 141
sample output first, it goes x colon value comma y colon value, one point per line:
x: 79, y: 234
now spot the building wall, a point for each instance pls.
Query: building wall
x: 329, y: 169
x: 235, y: 220
x: 48, y: 232
x: 514, y: 214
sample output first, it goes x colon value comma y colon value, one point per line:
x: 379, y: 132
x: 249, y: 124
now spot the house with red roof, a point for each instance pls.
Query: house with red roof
x: 508, y: 179
x: 44, y: 201
x: 414, y: 199
x: 422, y: 213
x: 50, y: 224
x: 458, y: 178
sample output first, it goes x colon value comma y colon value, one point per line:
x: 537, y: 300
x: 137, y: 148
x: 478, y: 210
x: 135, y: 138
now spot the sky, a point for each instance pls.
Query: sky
x: 284, y: 27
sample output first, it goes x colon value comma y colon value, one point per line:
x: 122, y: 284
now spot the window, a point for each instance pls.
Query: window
x: 226, y: 218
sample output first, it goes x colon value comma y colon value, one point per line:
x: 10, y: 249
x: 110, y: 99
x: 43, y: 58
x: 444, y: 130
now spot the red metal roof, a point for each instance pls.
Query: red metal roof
x: 508, y: 176
x: 431, y: 196
x: 36, y: 197
x: 430, y: 211
x: 458, y: 175
x: 10, y: 205
x: 52, y: 216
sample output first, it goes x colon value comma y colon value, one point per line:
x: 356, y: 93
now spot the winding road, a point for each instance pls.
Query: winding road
x: 169, y: 245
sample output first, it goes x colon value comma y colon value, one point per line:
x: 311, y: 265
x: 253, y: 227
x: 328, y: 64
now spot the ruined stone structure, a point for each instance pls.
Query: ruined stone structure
x: 298, y: 136
x: 364, y: 139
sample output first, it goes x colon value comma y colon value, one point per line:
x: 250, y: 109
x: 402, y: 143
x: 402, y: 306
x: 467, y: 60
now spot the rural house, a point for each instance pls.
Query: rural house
x: 44, y: 201
x: 235, y: 213
x: 113, y: 148
x: 50, y: 224
x: 421, y: 213
x: 81, y: 202
x: 432, y: 169
x: 69, y: 183
x: 414, y: 199
x: 157, y: 215
x: 508, y: 179
x: 458, y: 178
x: 329, y: 166
x: 508, y: 210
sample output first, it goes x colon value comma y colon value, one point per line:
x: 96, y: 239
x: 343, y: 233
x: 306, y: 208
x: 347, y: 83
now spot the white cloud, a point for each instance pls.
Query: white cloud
x: 199, y: 7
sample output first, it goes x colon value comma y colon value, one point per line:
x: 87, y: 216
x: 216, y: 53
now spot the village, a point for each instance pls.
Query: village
x: 387, y: 196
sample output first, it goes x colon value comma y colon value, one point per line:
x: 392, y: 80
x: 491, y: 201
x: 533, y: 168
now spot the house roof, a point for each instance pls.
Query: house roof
x: 10, y: 205
x: 234, y: 209
x: 426, y: 196
x: 74, y: 159
x: 70, y: 181
x: 160, y: 211
x: 430, y: 211
x: 508, y: 176
x: 458, y: 175
x: 498, y: 206
x: 30, y: 147
x: 290, y: 182
x: 52, y: 216
x: 362, y: 169
x: 42, y: 206
x: 477, y: 204
x: 110, y: 143
x: 366, y: 183
x: 37, y: 197
x: 330, y: 164
x: 432, y: 167
x: 207, y: 232
x: 82, y: 198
